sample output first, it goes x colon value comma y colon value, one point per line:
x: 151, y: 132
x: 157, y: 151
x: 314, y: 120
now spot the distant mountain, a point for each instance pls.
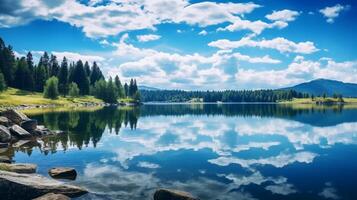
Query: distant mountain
x: 330, y: 87
x: 143, y: 87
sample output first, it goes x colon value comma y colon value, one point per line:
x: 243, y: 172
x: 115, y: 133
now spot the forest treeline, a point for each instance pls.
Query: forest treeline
x: 55, y: 78
x: 223, y: 96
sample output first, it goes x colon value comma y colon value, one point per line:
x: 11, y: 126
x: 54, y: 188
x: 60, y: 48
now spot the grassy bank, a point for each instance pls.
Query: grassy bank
x: 15, y: 97
x: 319, y: 99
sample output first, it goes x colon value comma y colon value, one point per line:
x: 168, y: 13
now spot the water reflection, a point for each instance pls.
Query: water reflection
x: 213, y: 151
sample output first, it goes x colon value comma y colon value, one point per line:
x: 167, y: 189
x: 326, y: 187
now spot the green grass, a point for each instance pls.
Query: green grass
x: 310, y: 101
x: 4, y: 167
x: 16, y: 97
x: 127, y: 100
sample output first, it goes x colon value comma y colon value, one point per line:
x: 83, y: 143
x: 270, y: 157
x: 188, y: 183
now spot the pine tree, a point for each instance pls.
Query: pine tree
x: 131, y: 88
x: 7, y: 63
x: 51, y: 88
x: 40, y: 78
x: 2, y: 82
x: 29, y: 60
x: 80, y: 78
x: 44, y: 61
x: 53, y: 66
x: 111, y: 92
x: 126, y: 89
x: 23, y: 76
x: 63, y: 77
x: 87, y: 68
x: 96, y: 74
x: 119, y: 87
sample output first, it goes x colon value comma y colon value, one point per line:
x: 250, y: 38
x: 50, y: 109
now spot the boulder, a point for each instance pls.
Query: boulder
x: 5, y: 159
x: 4, y: 145
x: 29, y: 125
x: 52, y: 196
x: 19, y: 168
x: 63, y: 173
x: 17, y: 186
x: 5, y: 135
x: 19, y: 132
x: 4, y: 121
x: 166, y: 194
x: 15, y: 116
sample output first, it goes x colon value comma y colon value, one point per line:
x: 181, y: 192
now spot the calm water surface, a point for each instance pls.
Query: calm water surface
x: 225, y: 152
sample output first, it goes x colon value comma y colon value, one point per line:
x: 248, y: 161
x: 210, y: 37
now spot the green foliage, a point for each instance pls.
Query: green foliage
x: 119, y: 86
x: 107, y: 91
x: 2, y: 82
x: 63, y: 77
x: 79, y: 76
x: 7, y: 62
x: 51, y: 88
x: 23, y: 77
x: 40, y: 78
x: 73, y: 90
x: 224, y: 96
x: 95, y: 74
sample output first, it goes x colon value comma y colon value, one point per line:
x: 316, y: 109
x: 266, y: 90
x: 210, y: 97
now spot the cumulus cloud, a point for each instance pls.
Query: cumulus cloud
x: 283, y: 15
x: 281, y: 44
x: 333, y: 12
x: 149, y: 37
x: 101, y: 20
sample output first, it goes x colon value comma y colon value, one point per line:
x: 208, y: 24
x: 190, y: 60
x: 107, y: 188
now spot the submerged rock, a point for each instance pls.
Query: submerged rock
x: 17, y: 186
x: 19, y: 168
x: 5, y: 135
x: 52, y: 196
x: 15, y: 116
x: 4, y: 121
x: 63, y: 173
x: 29, y: 125
x: 19, y: 132
x: 166, y: 194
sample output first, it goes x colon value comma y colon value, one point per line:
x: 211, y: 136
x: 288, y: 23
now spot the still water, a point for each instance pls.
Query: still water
x: 224, y: 152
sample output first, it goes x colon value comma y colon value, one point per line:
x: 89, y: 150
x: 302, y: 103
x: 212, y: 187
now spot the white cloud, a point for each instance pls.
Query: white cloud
x: 333, y: 12
x: 76, y: 56
x: 148, y: 165
x: 283, y: 15
x: 282, y: 189
x: 203, y: 32
x: 256, y: 27
x: 149, y: 37
x: 116, y: 16
x: 281, y: 44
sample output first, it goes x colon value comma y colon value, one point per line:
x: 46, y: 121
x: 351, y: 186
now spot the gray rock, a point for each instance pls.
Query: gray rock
x: 166, y: 194
x: 29, y: 125
x: 5, y: 135
x: 19, y: 168
x: 52, y: 196
x: 15, y: 116
x: 28, y: 186
x: 19, y: 132
x: 5, y: 159
x: 4, y: 121
x: 4, y: 145
x: 20, y: 143
x: 63, y: 173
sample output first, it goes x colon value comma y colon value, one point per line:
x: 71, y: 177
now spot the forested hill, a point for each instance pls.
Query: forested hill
x: 219, y: 96
x: 319, y: 87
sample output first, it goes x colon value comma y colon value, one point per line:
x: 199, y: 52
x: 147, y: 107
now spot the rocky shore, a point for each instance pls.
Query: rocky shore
x: 19, y: 181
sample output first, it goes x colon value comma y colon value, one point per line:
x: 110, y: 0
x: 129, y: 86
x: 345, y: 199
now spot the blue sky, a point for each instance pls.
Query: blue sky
x: 181, y: 44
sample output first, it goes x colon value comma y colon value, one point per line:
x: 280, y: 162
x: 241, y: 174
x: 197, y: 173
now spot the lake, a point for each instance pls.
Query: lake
x: 214, y: 151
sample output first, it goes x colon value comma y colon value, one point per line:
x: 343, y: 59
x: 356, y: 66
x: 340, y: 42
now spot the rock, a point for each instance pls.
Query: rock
x: 20, y: 143
x: 63, y: 173
x: 29, y: 125
x: 5, y: 159
x: 4, y: 149
x: 52, y: 196
x: 15, y: 116
x: 19, y: 168
x: 19, y: 132
x: 166, y: 194
x: 4, y: 145
x: 28, y: 186
x: 4, y: 121
x: 5, y: 135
